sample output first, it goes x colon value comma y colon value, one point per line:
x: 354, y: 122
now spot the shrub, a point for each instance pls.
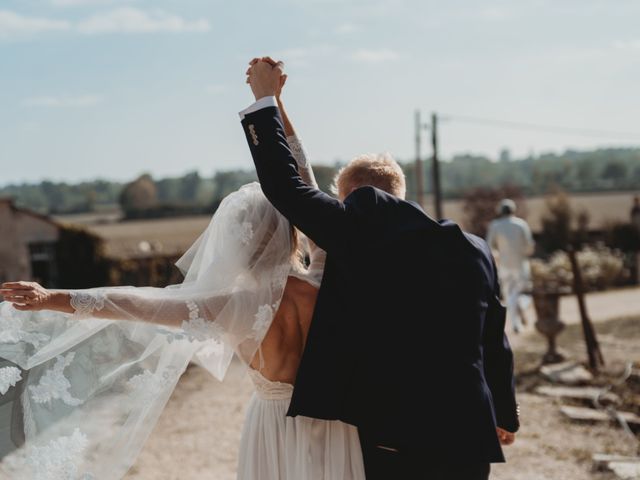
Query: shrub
x: 601, y: 268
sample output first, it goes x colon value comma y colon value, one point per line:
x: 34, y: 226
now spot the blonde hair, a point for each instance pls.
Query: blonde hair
x: 297, y: 252
x: 377, y: 170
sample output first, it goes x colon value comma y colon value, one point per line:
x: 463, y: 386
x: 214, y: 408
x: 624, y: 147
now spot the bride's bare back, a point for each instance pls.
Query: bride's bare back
x: 283, y: 344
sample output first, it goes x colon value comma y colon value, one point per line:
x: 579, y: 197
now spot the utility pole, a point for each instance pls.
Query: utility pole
x: 435, y: 168
x: 419, y: 169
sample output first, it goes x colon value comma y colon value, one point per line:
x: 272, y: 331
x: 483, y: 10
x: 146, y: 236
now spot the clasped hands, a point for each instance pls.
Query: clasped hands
x: 266, y: 77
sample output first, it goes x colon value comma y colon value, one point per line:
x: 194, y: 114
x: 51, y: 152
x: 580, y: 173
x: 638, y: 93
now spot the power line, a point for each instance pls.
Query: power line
x: 543, y: 128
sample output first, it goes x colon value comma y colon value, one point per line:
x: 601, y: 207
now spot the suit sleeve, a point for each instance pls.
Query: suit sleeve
x: 318, y: 215
x: 498, y: 363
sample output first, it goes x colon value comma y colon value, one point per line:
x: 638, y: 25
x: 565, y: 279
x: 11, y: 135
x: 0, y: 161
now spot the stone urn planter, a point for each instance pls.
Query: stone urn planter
x: 547, y: 306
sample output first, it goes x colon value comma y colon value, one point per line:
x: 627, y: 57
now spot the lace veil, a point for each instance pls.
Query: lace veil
x: 79, y: 394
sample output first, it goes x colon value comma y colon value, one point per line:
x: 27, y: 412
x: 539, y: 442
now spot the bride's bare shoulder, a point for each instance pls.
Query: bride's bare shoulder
x: 298, y: 302
x: 299, y: 292
x: 297, y: 285
x: 297, y: 305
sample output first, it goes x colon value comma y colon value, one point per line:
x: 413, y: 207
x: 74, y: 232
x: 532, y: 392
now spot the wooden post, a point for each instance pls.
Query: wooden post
x: 437, y: 191
x: 596, y: 359
x: 419, y: 169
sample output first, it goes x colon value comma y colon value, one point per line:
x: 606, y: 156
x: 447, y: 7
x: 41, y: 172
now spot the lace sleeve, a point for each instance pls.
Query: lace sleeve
x: 170, y: 307
x: 86, y: 302
x: 300, y: 155
x: 317, y: 256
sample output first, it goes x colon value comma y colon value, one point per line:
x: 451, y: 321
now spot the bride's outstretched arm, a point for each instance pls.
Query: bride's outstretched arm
x: 170, y: 307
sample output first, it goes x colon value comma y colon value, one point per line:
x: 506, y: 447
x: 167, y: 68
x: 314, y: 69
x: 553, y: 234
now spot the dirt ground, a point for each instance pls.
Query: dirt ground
x: 550, y: 447
x: 198, y: 434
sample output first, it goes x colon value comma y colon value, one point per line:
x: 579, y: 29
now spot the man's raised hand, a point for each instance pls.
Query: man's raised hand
x: 265, y: 76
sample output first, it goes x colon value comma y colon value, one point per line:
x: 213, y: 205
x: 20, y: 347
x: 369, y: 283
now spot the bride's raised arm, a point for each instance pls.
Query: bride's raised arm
x: 316, y: 254
x: 297, y: 149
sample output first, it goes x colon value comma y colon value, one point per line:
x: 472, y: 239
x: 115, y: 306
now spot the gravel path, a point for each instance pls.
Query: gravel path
x: 198, y: 434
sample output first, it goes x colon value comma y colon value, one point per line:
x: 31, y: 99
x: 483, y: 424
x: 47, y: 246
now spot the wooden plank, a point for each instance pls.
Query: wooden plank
x: 625, y: 471
x: 569, y: 373
x: 577, y: 393
x: 590, y: 415
x: 603, y: 459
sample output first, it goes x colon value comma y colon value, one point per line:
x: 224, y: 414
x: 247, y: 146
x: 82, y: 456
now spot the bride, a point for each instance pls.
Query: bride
x: 86, y: 373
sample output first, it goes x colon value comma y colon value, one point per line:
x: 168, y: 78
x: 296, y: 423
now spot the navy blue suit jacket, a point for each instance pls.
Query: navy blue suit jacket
x: 407, y: 340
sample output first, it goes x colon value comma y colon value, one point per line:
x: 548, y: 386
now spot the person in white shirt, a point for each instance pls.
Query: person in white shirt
x: 511, y: 240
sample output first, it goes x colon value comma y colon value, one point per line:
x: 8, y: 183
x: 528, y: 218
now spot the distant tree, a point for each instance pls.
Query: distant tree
x: 595, y: 170
x: 190, y: 187
x: 480, y: 206
x: 614, y: 171
x: 586, y: 174
x: 168, y: 190
x: 229, y: 181
x: 556, y: 223
x: 505, y: 155
x: 91, y: 198
x: 54, y: 194
x: 141, y: 194
x: 562, y: 225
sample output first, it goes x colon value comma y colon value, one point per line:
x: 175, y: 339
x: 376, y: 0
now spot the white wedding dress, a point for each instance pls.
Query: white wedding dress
x: 276, y: 447
x: 80, y: 394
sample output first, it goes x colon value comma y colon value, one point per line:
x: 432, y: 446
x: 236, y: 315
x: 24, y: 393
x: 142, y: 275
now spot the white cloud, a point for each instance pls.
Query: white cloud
x: 297, y: 53
x: 65, y: 101
x: 13, y: 24
x: 303, y: 56
x: 627, y: 44
x: 495, y: 13
x: 215, y: 89
x: 347, y: 28
x: 133, y: 20
x: 30, y: 127
x: 375, y: 56
x: 119, y: 20
x: 82, y: 3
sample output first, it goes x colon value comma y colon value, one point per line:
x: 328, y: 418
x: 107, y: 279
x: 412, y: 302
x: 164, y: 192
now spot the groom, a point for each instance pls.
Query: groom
x: 407, y: 341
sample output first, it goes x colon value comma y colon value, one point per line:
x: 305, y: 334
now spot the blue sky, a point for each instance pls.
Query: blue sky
x: 113, y: 88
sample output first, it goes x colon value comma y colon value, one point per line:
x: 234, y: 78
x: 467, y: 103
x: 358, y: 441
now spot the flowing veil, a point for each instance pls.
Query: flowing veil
x: 80, y: 394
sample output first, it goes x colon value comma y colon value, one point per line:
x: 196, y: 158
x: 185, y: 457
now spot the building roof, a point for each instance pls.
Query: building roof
x: 26, y: 211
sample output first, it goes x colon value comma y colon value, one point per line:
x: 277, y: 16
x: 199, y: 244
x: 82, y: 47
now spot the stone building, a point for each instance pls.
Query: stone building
x: 27, y: 245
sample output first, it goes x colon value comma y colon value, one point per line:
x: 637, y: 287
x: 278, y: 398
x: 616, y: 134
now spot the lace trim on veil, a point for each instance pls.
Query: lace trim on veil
x: 89, y: 384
